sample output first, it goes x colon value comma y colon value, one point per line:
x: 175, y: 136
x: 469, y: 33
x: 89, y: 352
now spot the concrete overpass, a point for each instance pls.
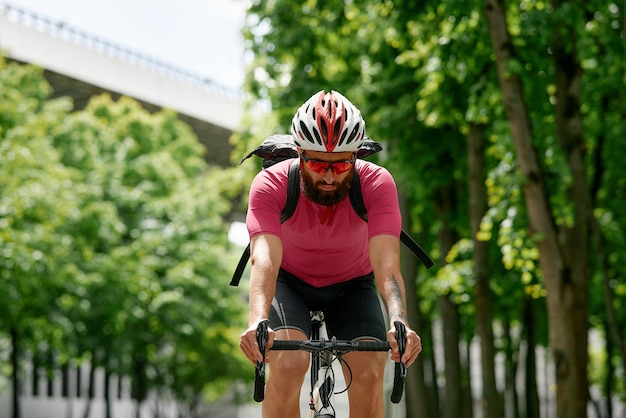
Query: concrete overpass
x: 80, y: 65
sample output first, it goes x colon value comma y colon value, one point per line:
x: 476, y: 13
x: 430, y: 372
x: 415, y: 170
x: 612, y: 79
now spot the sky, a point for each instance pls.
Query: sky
x: 203, y: 37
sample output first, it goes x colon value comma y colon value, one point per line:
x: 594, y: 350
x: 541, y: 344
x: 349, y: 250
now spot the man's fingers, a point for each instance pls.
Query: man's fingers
x: 391, y: 337
x: 249, y: 346
x: 413, y: 347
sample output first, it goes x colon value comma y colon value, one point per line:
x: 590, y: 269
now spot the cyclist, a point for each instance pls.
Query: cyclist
x: 325, y: 257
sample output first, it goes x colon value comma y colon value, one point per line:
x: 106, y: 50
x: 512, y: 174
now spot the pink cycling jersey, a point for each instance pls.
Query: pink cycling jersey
x: 324, y: 245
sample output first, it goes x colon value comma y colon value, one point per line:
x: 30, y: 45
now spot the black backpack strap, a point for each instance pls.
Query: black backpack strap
x: 416, y: 249
x: 356, y: 196
x: 245, y: 256
x: 293, y: 191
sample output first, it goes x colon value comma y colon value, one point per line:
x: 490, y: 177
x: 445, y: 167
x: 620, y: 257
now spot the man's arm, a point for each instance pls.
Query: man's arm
x: 384, y: 253
x: 266, y: 254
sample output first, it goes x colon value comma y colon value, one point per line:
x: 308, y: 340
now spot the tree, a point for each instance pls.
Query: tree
x: 170, y: 237
x: 563, y: 245
x: 36, y: 207
x: 114, y: 248
x: 424, y: 77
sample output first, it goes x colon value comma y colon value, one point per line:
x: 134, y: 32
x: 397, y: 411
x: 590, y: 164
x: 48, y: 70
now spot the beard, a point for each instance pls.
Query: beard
x: 311, y: 190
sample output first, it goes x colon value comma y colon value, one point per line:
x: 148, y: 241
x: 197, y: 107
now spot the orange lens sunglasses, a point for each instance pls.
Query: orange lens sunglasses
x: 320, y: 166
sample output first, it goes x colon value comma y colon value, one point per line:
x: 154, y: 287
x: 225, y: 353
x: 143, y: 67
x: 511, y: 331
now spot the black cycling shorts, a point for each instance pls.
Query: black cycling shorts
x: 351, y: 309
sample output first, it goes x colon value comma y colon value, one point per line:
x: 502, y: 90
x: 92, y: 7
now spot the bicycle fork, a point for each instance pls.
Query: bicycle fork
x: 322, y: 378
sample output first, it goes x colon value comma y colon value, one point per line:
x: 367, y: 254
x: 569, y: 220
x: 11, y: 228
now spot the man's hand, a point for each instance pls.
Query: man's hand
x: 248, y: 343
x: 411, y: 350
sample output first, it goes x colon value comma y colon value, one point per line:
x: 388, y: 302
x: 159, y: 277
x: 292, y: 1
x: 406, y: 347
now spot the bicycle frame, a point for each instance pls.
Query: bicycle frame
x: 323, y: 353
x: 322, y: 389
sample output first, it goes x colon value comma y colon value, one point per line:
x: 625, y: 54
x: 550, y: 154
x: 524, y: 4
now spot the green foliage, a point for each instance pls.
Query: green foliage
x: 113, y: 241
x: 423, y: 73
x: 36, y: 204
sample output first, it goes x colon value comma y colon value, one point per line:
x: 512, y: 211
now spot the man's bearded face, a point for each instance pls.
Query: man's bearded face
x: 312, y: 191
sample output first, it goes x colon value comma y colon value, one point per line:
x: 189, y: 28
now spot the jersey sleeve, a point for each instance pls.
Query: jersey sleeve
x: 268, y: 193
x: 380, y: 197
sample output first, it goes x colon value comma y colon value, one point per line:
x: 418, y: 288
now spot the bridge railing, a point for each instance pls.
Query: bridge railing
x: 67, y: 32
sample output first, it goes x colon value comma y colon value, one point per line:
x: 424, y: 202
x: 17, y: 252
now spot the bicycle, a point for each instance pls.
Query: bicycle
x: 323, y: 354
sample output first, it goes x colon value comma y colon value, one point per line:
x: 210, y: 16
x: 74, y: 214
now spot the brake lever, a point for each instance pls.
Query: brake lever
x: 259, y: 376
x: 401, y: 340
x: 261, y: 338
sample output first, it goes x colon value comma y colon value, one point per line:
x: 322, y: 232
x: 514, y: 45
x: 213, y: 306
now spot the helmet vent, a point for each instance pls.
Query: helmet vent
x: 319, y: 140
x: 343, y: 138
x: 305, y: 131
x: 354, y: 134
x: 324, y: 130
x: 337, y: 130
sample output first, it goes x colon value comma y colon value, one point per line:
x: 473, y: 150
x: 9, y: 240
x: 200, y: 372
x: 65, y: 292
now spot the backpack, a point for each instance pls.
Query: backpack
x: 278, y: 148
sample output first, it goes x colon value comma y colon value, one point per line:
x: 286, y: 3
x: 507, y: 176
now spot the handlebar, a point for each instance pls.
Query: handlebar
x: 333, y: 346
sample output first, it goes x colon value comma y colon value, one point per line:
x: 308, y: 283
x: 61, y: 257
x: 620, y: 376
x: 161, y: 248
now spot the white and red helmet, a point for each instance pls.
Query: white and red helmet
x: 328, y: 122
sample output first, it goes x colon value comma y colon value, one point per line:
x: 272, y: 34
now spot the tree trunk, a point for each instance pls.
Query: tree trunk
x: 430, y: 366
x: 468, y: 399
x: 614, y: 330
x: 416, y: 394
x: 37, y: 364
x: 107, y: 391
x: 564, y: 268
x: 574, y: 238
x: 15, y: 363
x: 510, y: 371
x: 530, y: 364
x: 139, y: 384
x: 453, y: 402
x: 50, y: 371
x: 610, y: 373
x: 426, y: 366
x: 90, y: 385
x: 482, y: 291
x: 453, y: 398
x: 615, y: 338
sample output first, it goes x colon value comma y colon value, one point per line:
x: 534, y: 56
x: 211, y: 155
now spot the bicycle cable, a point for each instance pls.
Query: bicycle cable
x: 339, y: 357
x: 331, y: 384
